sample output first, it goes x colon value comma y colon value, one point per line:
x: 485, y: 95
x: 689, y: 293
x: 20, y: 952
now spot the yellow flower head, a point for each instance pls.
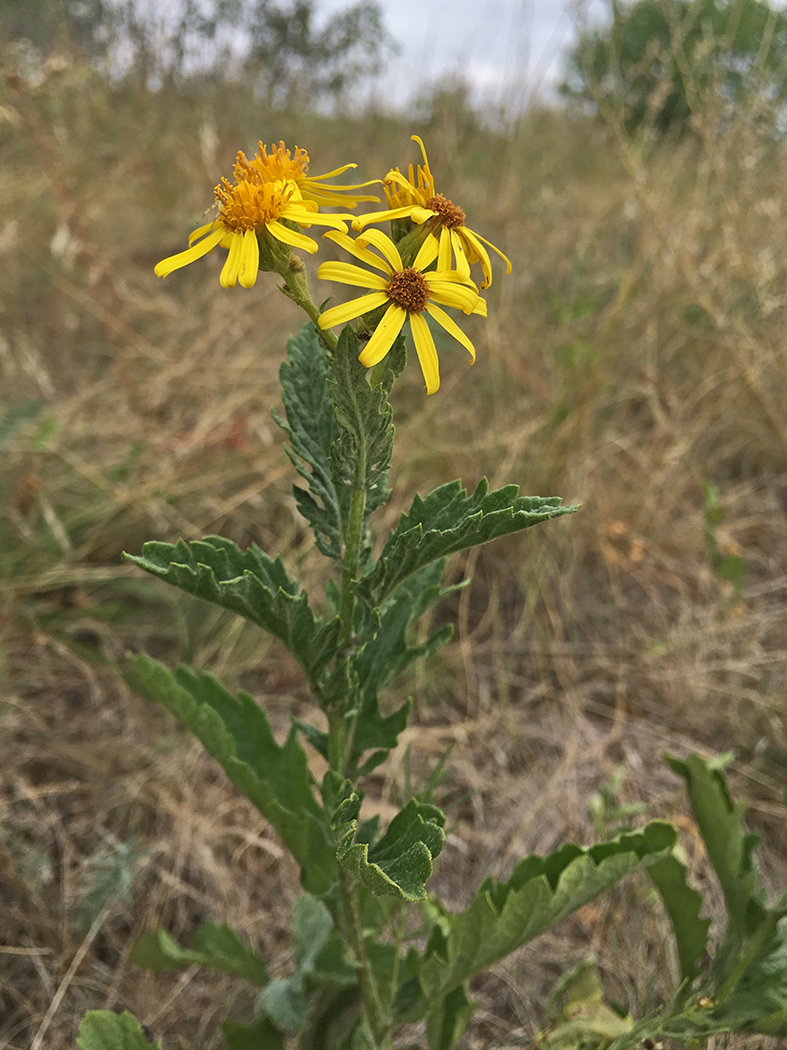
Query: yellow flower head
x: 247, y: 210
x: 406, y: 292
x: 282, y: 163
x: 415, y: 198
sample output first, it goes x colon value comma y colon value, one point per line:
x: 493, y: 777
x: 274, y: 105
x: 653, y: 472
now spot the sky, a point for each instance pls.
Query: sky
x: 507, y: 49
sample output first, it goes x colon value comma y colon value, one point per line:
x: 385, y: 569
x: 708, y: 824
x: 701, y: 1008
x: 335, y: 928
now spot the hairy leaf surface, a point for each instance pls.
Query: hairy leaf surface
x: 105, y: 1030
x: 235, y: 731
x: 313, y: 431
x: 399, y: 864
x: 447, y: 521
x: 540, y: 893
x: 363, y: 416
x: 249, y: 583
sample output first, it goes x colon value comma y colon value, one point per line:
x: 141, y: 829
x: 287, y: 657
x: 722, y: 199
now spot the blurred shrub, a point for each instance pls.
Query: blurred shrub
x: 662, y: 61
x: 286, y: 51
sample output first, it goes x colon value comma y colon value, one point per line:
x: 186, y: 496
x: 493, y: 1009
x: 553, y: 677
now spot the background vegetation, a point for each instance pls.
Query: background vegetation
x: 633, y: 361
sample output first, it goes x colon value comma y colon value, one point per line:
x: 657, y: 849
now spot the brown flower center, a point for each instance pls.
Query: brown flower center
x: 450, y: 214
x: 408, y: 288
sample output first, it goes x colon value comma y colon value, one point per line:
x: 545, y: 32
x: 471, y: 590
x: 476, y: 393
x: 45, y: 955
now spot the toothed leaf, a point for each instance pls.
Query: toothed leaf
x: 540, y: 893
x: 235, y: 731
x: 249, y: 583
x: 399, y: 864
x: 447, y: 521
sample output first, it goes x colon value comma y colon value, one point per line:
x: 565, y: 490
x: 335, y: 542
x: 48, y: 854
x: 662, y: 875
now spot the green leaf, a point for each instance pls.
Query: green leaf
x: 235, y: 731
x: 313, y: 431
x: 447, y: 521
x: 585, y: 1020
x: 731, y: 852
x: 363, y: 416
x: 387, y: 655
x: 399, y: 864
x: 683, y: 907
x: 284, y: 1000
x: 215, y: 946
x: 105, y: 1030
x: 540, y: 893
x: 249, y: 583
x: 448, y: 1019
x: 260, y: 1036
x: 759, y: 1001
x: 389, y: 652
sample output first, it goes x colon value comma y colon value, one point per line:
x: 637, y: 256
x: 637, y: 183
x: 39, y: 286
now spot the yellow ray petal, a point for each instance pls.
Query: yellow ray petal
x: 291, y: 237
x: 444, y: 253
x: 407, y: 185
x: 420, y: 215
x: 451, y: 293
x: 462, y: 265
x: 229, y: 272
x: 363, y: 254
x: 427, y: 253
x: 202, y: 230
x: 347, y: 311
x: 384, y: 245
x: 298, y: 213
x: 451, y: 327
x: 249, y: 260
x: 427, y: 354
x: 363, y: 221
x: 175, y: 262
x: 383, y: 336
x: 349, y: 274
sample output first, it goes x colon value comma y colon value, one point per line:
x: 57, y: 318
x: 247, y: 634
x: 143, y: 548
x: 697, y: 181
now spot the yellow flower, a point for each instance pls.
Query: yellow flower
x: 282, y: 163
x: 407, y: 292
x: 246, y: 210
x: 415, y: 198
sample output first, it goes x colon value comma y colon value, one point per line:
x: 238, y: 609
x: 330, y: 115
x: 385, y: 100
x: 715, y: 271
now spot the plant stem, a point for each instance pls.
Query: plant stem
x: 296, y: 287
x: 357, y: 942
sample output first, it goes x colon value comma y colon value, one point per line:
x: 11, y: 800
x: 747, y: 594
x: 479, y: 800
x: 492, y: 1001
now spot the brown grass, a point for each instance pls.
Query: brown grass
x: 636, y: 351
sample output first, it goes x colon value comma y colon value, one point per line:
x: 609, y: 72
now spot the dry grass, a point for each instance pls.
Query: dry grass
x: 636, y: 351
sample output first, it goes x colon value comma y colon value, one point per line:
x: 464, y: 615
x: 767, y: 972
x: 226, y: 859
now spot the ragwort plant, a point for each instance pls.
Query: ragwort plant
x: 373, y: 952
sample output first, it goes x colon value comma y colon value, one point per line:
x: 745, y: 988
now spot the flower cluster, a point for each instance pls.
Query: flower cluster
x: 424, y: 266
x: 270, y: 198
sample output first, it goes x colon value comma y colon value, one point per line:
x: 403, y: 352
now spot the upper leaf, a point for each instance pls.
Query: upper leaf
x: 364, y: 417
x: 399, y: 864
x: 540, y: 893
x: 447, y: 521
x: 384, y: 657
x: 105, y: 1030
x: 235, y: 731
x: 250, y: 583
x: 313, y: 431
x: 215, y: 946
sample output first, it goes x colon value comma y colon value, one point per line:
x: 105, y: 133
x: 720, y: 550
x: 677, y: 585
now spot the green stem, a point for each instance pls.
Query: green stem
x: 296, y: 287
x: 356, y: 940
